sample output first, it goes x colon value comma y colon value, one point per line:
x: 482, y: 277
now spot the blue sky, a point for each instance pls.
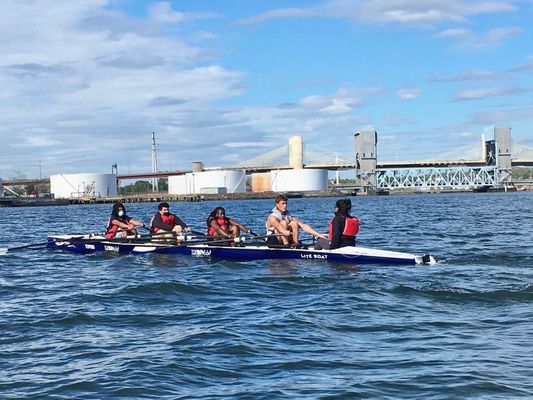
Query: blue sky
x: 84, y: 83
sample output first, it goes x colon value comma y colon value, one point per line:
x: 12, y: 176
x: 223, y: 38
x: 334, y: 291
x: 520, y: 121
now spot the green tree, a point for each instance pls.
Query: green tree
x: 163, y: 184
x: 136, y: 188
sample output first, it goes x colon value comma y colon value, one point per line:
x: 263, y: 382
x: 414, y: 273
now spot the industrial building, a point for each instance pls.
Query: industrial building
x: 295, y: 179
x: 290, y: 180
x: 198, y: 181
x: 83, y: 185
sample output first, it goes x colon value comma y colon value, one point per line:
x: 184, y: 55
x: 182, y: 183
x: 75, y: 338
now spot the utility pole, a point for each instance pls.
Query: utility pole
x: 155, y: 181
x: 39, y: 169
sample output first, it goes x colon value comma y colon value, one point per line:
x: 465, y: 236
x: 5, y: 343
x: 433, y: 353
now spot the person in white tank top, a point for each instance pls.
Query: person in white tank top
x: 285, y: 226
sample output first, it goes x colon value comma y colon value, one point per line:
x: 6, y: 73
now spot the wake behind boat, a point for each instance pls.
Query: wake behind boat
x: 238, y: 250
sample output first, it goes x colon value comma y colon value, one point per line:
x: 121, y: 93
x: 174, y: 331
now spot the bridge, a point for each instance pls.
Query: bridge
x: 471, y: 167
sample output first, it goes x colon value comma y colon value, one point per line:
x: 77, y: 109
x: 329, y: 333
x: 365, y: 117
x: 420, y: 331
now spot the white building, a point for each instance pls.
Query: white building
x: 291, y: 180
x: 214, y: 182
x: 83, y: 185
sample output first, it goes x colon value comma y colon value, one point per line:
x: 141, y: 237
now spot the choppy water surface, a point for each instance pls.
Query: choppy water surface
x: 100, y: 326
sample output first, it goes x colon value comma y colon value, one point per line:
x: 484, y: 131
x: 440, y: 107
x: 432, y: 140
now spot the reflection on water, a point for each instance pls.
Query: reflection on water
x: 283, y: 267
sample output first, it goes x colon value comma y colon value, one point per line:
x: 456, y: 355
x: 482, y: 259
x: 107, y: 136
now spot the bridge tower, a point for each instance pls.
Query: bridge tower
x: 502, y: 139
x: 366, y: 158
x: 296, y: 152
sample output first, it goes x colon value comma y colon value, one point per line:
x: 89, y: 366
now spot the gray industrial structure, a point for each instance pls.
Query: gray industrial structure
x: 366, y: 158
x: 494, y: 169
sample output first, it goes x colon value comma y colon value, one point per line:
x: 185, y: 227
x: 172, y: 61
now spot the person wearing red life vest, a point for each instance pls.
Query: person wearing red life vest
x: 343, y: 228
x: 165, y: 222
x: 220, y: 226
x: 119, y: 224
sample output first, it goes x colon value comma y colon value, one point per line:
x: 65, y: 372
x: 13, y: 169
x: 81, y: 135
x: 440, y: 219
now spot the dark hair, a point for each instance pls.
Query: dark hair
x: 280, y: 197
x: 344, y: 206
x: 162, y: 205
x: 116, y: 207
x: 213, y: 215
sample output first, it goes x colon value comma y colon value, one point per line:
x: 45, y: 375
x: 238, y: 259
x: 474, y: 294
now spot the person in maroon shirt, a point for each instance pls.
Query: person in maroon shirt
x: 165, y: 222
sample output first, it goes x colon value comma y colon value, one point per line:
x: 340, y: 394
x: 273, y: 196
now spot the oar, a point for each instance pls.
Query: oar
x: 4, y: 250
x: 198, y: 233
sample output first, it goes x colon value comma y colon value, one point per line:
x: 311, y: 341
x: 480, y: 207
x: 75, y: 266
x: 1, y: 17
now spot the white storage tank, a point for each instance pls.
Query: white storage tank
x: 215, y: 181
x: 177, y: 184
x: 299, y: 180
x: 83, y: 185
x: 261, y: 182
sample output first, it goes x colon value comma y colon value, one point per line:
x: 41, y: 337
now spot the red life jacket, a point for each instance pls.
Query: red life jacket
x: 351, y: 227
x: 223, y: 222
x: 169, y: 220
x: 112, y: 228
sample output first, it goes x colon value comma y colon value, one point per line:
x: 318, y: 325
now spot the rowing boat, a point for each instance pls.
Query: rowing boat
x: 234, y: 251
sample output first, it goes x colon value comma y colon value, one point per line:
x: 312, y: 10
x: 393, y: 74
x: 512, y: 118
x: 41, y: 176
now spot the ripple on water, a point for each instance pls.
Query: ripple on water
x: 101, y: 326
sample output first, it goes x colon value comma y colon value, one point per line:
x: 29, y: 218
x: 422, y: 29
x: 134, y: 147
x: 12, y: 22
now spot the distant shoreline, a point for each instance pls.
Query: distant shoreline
x: 160, y: 197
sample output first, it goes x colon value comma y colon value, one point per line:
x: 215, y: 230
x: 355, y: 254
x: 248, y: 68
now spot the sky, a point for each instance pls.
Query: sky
x: 83, y: 84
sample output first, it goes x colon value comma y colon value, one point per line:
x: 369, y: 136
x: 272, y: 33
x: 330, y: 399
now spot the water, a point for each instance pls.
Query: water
x: 106, y: 325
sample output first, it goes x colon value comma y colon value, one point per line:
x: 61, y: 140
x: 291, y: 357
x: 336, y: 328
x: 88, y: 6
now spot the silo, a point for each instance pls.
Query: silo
x: 261, y: 182
x: 197, y: 166
x: 177, y: 184
x: 299, y: 180
x: 83, y: 185
x: 1, y: 189
x: 208, y: 182
x: 217, y: 181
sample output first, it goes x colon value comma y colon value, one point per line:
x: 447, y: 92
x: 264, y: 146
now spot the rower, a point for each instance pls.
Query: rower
x: 120, y: 225
x: 163, y: 222
x: 220, y: 226
x: 283, y: 228
x: 343, y: 228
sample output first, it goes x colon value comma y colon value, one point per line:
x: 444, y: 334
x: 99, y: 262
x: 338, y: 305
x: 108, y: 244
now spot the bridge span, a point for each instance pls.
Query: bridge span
x: 492, y: 168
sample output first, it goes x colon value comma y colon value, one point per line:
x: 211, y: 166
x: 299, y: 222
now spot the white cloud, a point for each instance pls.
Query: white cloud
x: 237, y: 145
x: 466, y: 39
x: 454, y: 33
x: 482, y: 93
x: 408, y: 93
x: 471, y: 75
x: 404, y: 12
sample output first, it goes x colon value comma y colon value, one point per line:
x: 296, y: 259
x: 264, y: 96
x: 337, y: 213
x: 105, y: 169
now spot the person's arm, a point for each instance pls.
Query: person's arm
x: 120, y: 224
x: 239, y: 225
x: 134, y: 222
x: 274, y: 222
x: 219, y: 229
x: 158, y: 223
x: 310, y: 230
x: 337, y: 227
x: 183, y: 225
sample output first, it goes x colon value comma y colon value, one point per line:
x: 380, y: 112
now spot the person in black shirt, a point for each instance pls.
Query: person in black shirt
x: 343, y: 228
x: 120, y: 224
x: 165, y: 222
